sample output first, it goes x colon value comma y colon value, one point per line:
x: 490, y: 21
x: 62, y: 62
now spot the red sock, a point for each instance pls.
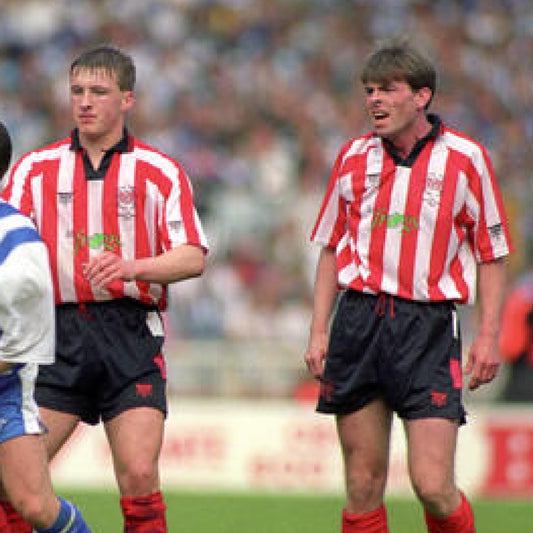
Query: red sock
x: 460, y: 521
x: 373, y: 522
x: 144, y: 514
x: 16, y: 524
x: 4, y: 526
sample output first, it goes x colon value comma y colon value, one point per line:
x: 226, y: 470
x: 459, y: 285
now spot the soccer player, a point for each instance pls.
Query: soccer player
x: 26, y: 340
x: 120, y: 225
x: 411, y: 217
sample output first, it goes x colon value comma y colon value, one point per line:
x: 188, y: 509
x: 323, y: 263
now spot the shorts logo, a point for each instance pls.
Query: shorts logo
x: 326, y: 389
x: 143, y: 389
x: 126, y: 202
x: 439, y: 399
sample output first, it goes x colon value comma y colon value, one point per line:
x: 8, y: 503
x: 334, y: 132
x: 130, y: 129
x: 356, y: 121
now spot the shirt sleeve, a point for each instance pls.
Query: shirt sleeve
x: 492, y: 238
x: 181, y: 224
x: 27, y: 312
x: 331, y: 221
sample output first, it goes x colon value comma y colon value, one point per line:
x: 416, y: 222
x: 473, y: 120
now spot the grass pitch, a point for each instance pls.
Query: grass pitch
x: 206, y: 512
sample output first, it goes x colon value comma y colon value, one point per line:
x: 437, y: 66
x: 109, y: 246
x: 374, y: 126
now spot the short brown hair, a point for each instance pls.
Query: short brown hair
x: 397, y: 60
x: 110, y: 59
x: 5, y: 150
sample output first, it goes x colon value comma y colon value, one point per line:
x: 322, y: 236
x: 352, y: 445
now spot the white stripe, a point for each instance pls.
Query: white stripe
x: 427, y: 220
x: 126, y: 225
x: 394, y: 235
x: 14, y: 221
x: 29, y: 409
x: 65, y: 228
x: 95, y: 192
x: 374, y: 168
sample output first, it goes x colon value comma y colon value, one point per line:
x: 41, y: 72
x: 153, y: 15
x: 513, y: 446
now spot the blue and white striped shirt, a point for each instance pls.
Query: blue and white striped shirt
x: 27, y: 311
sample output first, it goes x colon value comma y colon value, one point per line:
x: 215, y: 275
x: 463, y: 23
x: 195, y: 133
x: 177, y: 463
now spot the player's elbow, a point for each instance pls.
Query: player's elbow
x: 198, y: 264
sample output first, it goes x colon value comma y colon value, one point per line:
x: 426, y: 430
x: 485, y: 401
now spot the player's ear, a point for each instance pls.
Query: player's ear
x: 423, y: 97
x: 128, y: 100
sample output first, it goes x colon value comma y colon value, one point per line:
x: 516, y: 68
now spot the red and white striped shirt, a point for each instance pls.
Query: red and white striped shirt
x: 417, y: 230
x: 142, y: 208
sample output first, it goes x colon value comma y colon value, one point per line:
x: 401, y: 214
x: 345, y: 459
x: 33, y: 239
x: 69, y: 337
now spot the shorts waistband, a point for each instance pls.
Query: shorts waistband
x: 375, y: 298
x: 115, y: 303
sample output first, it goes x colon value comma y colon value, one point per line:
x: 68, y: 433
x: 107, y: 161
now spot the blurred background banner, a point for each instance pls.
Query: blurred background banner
x: 280, y: 446
x: 255, y: 98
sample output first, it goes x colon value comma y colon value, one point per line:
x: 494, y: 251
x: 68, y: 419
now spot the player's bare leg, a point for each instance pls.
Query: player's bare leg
x: 365, y: 437
x: 431, y: 458
x: 135, y: 437
x: 431, y: 451
x: 60, y: 427
x: 26, y: 479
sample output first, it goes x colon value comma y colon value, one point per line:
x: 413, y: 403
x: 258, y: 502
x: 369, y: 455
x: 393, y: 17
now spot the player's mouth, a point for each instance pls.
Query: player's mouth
x: 379, y: 116
x: 85, y: 119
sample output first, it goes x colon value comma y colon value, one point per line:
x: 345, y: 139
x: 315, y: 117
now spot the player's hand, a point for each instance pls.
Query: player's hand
x: 483, y: 361
x: 315, y: 355
x: 108, y: 267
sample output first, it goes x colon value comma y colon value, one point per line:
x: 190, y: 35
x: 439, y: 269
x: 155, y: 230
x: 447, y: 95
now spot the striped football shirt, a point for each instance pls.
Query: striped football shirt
x: 142, y: 208
x: 413, y: 229
x: 27, y: 327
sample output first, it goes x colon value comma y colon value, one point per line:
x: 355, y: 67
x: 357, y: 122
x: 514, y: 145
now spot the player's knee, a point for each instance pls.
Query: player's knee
x: 433, y: 491
x: 138, y: 478
x: 365, y: 488
x: 36, y: 509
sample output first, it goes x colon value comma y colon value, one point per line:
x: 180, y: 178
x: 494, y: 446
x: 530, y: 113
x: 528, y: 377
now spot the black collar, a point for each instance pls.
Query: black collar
x: 436, y: 124
x: 124, y: 145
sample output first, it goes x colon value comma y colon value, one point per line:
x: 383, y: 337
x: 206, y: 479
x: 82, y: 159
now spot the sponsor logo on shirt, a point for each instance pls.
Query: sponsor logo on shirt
x: 97, y: 241
x: 394, y: 220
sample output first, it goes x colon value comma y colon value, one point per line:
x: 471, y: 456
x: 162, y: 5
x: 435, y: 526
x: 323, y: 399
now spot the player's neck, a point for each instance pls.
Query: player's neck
x: 405, y: 141
x: 95, y: 147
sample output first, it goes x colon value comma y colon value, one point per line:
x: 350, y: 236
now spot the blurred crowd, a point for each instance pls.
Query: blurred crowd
x: 254, y: 98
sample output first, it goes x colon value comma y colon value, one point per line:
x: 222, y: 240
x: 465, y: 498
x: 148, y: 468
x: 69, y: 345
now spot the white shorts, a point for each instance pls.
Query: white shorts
x: 19, y: 414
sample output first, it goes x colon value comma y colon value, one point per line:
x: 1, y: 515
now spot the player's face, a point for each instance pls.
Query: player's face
x: 394, y: 108
x: 98, y: 105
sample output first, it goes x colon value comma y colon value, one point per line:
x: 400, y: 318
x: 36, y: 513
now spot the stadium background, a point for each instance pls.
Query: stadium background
x: 254, y: 98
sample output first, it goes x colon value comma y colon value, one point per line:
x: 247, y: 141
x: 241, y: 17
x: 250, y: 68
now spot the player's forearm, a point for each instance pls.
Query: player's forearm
x: 183, y: 262
x: 492, y: 279
x: 325, y: 292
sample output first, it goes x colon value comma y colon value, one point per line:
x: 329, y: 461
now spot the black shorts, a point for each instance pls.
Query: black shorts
x: 408, y: 353
x: 108, y: 359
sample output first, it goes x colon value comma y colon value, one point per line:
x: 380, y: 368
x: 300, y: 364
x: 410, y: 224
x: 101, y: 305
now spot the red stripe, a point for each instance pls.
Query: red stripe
x: 456, y: 374
x: 379, y: 231
x: 142, y: 239
x: 186, y: 206
x: 110, y: 224
x: 443, y: 227
x: 80, y: 223
x: 48, y: 229
x: 413, y: 207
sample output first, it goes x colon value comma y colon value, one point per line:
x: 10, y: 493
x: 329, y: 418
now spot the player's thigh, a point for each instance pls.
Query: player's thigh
x: 59, y: 427
x: 365, y: 438
x: 135, y: 437
x: 431, y: 445
x: 24, y: 466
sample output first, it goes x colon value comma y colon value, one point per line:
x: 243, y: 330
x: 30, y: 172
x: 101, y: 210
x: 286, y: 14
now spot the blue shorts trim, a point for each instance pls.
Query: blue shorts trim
x: 19, y: 414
